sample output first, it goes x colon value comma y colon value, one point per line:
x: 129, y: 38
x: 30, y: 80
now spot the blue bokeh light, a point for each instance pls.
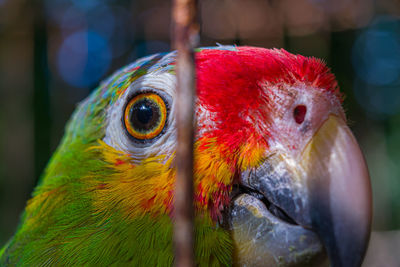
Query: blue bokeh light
x: 376, y: 62
x: 378, y: 101
x: 122, y: 37
x: 108, y: 21
x: 376, y: 55
x: 102, y: 20
x: 72, y: 18
x: 83, y: 58
x: 86, y: 4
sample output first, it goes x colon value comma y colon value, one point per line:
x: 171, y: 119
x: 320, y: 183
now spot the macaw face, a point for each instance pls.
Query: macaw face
x: 275, y: 162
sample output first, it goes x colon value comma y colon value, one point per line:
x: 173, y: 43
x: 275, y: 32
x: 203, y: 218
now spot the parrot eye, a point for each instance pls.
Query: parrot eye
x: 145, y: 116
x: 299, y: 113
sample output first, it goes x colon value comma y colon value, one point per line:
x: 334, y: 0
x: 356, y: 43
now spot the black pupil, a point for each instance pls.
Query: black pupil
x: 144, y: 115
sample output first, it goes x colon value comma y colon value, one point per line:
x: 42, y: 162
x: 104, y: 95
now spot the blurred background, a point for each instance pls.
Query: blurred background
x: 53, y: 53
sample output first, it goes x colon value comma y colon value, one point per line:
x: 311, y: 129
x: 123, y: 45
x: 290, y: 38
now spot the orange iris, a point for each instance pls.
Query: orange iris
x: 145, y: 116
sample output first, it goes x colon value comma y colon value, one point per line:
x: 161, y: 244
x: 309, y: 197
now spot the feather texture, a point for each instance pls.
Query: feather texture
x: 102, y: 204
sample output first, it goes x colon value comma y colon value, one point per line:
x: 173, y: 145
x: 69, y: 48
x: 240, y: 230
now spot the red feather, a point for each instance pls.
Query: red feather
x: 231, y: 84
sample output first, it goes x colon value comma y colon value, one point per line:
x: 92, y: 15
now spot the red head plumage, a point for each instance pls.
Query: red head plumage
x: 233, y: 85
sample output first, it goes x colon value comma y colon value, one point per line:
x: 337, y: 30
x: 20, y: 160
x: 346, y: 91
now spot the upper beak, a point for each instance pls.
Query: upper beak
x: 326, y: 194
x: 339, y: 192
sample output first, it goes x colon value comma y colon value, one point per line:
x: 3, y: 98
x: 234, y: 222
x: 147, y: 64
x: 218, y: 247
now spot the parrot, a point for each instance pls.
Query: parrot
x: 279, y: 179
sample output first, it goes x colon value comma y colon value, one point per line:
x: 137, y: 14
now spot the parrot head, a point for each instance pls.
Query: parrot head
x: 279, y: 178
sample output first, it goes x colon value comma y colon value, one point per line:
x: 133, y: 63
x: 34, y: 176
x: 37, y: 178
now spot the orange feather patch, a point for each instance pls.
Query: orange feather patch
x: 138, y: 189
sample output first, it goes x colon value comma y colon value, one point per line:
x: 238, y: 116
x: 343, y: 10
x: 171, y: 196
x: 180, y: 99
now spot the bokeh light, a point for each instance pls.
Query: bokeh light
x: 54, y: 52
x: 121, y: 38
x: 376, y: 62
x: 72, y: 19
x: 107, y: 20
x: 93, y: 34
x: 376, y: 52
x: 83, y: 58
x: 378, y: 101
x: 86, y: 4
x: 102, y: 20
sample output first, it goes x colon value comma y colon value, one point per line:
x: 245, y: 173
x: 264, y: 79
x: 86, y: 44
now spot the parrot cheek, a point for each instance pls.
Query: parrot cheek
x: 302, y: 208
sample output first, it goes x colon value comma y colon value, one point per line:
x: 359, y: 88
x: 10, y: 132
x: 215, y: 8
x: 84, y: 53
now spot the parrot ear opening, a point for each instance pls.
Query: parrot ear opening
x: 299, y: 113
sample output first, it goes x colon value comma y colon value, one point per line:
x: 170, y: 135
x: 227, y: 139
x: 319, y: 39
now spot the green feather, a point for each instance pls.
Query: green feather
x: 64, y: 228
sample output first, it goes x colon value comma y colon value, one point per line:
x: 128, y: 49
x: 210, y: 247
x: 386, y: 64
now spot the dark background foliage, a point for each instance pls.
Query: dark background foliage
x: 54, y: 52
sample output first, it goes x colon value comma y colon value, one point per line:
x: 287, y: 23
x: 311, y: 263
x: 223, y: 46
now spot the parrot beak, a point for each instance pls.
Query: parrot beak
x: 295, y: 209
x: 340, y: 193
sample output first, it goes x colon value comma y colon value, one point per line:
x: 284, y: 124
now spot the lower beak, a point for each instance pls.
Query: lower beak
x: 321, y: 199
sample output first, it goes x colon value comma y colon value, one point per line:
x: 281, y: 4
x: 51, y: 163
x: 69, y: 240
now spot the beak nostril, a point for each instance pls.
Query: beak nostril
x: 299, y: 113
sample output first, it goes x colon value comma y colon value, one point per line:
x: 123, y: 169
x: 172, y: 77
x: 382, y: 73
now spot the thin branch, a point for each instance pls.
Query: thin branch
x: 185, y: 39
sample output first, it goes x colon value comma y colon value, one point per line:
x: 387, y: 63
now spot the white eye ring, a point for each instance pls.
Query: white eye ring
x: 116, y: 135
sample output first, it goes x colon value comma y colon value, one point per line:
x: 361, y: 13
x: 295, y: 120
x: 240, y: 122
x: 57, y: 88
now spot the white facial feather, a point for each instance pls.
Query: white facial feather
x: 320, y: 104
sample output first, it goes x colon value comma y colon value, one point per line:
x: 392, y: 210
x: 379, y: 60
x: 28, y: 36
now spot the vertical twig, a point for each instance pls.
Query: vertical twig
x: 185, y: 39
